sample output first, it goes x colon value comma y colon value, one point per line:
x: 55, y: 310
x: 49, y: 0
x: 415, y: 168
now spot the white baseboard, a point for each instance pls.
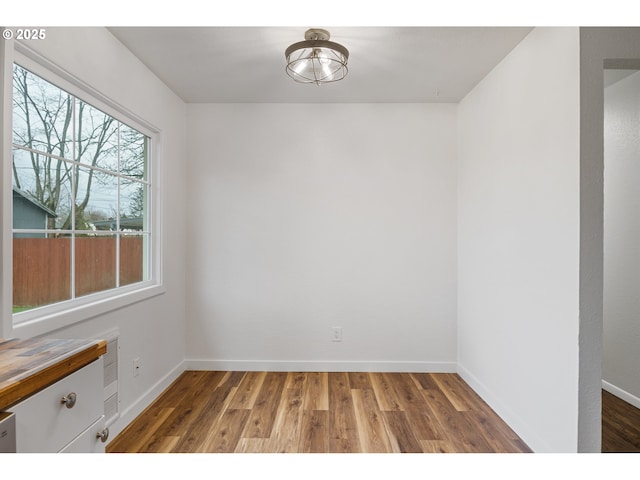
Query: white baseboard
x: 319, y: 366
x: 522, y: 429
x: 622, y: 394
x: 128, y: 415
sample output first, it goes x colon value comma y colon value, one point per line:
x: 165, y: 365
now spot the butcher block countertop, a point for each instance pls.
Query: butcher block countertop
x: 29, y: 365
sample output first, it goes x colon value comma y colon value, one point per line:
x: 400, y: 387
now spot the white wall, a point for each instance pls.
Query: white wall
x: 305, y: 217
x: 152, y: 330
x: 621, y: 323
x: 518, y: 238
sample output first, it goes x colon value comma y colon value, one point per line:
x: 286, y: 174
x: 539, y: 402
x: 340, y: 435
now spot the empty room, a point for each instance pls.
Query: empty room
x: 312, y: 238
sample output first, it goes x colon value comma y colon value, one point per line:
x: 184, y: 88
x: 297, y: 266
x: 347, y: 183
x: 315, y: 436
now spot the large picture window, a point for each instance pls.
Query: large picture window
x: 81, y: 188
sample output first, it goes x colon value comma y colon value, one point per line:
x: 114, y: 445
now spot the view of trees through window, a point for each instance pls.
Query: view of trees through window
x: 80, y: 188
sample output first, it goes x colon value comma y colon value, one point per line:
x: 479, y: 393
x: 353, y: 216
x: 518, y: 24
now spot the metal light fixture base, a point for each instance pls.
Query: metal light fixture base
x: 316, y: 34
x: 316, y: 59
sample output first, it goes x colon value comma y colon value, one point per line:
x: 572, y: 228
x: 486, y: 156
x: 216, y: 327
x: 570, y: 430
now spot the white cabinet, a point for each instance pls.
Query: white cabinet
x: 67, y: 416
x: 87, y: 441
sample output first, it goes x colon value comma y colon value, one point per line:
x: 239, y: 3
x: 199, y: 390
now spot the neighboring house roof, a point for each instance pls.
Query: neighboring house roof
x: 134, y: 223
x: 36, y: 203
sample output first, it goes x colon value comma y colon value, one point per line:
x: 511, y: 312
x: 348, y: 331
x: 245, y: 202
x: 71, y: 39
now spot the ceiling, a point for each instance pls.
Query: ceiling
x: 386, y: 64
x: 612, y: 76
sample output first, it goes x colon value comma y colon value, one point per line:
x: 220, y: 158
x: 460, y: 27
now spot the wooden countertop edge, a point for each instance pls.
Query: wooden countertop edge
x: 33, y: 382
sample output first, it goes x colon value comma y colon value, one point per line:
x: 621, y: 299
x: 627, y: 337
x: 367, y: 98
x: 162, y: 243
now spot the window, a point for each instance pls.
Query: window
x: 81, y: 199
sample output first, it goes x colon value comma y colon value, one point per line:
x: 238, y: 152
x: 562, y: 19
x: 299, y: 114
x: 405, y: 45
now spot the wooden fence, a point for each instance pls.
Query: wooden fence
x: 42, y: 267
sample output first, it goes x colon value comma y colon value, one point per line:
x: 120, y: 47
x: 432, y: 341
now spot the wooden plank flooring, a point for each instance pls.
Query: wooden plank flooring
x: 620, y: 425
x: 305, y: 412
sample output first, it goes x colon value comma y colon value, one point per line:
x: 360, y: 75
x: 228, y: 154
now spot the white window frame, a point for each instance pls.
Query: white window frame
x: 46, y: 319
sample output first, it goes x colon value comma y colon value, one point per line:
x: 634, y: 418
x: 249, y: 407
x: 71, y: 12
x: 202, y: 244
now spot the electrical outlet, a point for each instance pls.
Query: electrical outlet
x: 336, y: 334
x: 136, y: 367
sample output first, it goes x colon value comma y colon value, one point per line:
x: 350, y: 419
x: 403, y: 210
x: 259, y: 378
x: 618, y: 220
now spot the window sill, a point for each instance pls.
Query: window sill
x: 31, y: 324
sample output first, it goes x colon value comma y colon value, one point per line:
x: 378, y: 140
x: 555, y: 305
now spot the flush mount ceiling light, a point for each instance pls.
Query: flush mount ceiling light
x: 316, y: 59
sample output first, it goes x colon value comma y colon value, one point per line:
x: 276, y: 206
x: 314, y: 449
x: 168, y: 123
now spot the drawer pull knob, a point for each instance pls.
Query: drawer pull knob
x: 103, y: 435
x: 69, y: 400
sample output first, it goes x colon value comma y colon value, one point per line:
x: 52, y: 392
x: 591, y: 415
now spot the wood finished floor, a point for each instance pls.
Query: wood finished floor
x: 620, y: 425
x: 272, y: 412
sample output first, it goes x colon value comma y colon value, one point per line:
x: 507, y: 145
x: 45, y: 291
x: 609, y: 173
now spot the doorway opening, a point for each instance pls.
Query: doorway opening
x: 621, y: 260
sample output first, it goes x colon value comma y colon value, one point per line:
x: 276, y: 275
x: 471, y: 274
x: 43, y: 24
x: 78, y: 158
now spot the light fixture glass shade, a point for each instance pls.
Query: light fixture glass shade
x: 316, y: 59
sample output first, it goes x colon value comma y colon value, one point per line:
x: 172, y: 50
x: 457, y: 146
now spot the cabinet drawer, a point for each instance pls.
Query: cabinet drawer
x: 87, y: 441
x: 45, y: 424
